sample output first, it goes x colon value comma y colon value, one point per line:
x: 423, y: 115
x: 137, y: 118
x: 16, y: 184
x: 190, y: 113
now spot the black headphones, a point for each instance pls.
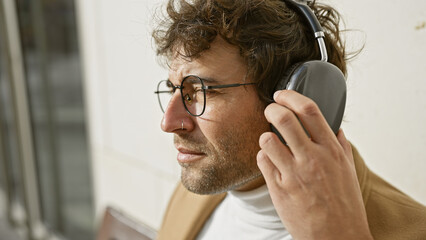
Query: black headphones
x: 319, y: 80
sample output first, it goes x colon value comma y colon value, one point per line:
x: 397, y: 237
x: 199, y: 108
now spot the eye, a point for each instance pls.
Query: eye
x: 188, y: 98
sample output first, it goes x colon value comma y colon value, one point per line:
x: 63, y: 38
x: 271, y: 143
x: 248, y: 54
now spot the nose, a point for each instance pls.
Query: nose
x: 176, y: 118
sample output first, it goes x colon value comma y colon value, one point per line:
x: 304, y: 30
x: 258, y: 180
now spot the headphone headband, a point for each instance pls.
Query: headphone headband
x: 308, y: 14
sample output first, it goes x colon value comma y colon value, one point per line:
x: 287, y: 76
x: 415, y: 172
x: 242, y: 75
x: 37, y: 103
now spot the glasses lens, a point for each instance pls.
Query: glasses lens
x: 193, y: 95
x: 165, y: 93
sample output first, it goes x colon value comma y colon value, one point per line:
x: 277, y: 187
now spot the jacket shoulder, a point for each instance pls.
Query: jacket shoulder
x: 391, y: 213
x: 186, y: 213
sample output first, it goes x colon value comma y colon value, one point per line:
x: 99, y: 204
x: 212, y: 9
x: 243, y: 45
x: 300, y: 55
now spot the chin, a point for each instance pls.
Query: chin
x: 210, y: 183
x: 200, y: 185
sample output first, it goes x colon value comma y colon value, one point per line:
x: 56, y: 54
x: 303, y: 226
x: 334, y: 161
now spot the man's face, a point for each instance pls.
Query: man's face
x: 217, y: 151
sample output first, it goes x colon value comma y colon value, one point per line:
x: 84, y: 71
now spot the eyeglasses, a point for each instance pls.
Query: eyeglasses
x: 193, y: 93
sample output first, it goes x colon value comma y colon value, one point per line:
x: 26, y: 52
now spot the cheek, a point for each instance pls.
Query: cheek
x: 241, y: 113
x: 219, y: 108
x: 223, y: 115
x: 245, y: 120
x: 230, y: 108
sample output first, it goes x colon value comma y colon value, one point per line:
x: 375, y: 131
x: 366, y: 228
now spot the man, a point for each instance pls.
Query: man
x: 238, y: 180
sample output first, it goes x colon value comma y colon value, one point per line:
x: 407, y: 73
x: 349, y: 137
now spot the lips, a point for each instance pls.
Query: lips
x: 186, y: 155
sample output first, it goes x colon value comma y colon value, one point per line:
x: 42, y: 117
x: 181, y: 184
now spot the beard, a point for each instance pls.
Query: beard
x: 228, y: 163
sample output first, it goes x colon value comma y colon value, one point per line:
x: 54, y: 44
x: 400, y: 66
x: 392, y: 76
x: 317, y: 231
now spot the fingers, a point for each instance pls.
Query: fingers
x: 308, y: 113
x: 276, y: 151
x: 286, y: 122
x: 344, y: 142
x: 271, y: 174
x: 347, y: 148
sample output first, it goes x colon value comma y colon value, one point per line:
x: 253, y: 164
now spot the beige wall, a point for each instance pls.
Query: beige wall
x: 134, y: 166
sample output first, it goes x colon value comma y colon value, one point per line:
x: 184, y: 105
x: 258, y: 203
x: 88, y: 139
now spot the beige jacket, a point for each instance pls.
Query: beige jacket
x: 391, y: 214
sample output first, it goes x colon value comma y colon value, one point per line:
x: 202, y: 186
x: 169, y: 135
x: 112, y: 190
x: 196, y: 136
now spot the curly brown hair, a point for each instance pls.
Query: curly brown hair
x: 271, y: 37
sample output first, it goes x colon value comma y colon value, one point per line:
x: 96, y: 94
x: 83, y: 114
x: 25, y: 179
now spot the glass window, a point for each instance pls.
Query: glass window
x: 54, y: 80
x: 9, y: 155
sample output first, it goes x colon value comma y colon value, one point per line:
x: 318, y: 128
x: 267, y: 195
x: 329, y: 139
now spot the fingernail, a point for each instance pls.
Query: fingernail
x: 276, y: 94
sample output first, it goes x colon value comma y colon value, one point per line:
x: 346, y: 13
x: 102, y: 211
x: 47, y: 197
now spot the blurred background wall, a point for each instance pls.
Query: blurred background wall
x: 126, y: 161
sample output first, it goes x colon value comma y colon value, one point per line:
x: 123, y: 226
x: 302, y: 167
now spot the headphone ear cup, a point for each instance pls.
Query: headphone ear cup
x: 325, y: 84
x: 282, y: 84
x: 322, y: 82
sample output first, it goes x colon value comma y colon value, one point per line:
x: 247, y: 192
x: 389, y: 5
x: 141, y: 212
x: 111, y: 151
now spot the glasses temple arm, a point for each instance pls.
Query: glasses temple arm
x: 227, y: 85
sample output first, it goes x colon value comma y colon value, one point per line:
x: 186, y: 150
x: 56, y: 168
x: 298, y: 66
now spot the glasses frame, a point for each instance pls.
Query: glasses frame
x: 203, y: 87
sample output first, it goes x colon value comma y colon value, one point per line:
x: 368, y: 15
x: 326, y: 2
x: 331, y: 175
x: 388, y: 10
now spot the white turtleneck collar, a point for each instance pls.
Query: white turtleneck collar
x: 245, y: 215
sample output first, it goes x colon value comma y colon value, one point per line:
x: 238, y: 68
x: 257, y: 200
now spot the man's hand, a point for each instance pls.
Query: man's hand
x: 312, y: 181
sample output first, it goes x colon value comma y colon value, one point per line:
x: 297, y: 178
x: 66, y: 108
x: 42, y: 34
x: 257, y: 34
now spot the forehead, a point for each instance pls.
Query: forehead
x: 222, y: 62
